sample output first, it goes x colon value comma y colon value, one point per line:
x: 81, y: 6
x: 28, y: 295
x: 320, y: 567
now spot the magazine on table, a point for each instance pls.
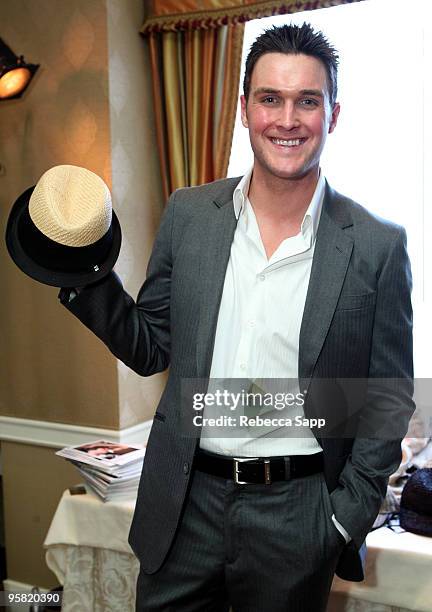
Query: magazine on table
x: 110, y: 469
x: 110, y: 457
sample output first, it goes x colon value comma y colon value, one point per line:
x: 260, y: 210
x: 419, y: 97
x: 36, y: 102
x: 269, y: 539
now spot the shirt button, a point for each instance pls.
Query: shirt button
x: 261, y: 277
x: 186, y: 468
x: 243, y: 367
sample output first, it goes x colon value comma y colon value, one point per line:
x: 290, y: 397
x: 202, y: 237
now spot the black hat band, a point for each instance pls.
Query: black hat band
x: 59, y: 257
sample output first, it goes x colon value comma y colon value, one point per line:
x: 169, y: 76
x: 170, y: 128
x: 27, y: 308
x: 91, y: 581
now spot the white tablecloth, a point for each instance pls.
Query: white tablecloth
x: 86, y: 520
x: 87, y: 549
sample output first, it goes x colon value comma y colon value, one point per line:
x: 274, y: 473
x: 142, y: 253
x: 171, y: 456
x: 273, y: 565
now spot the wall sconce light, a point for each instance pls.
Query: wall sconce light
x: 15, y: 73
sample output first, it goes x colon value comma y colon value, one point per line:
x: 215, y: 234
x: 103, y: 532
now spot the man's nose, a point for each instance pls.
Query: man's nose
x: 288, y: 116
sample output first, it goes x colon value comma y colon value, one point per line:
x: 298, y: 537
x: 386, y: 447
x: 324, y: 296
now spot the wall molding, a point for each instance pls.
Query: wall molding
x: 58, y: 435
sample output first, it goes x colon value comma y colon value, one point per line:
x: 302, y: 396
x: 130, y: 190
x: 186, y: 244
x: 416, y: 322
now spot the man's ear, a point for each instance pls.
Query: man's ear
x: 334, y: 117
x: 243, y: 111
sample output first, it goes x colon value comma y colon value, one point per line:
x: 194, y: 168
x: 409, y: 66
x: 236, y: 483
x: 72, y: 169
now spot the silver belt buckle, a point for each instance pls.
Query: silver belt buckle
x: 237, y: 460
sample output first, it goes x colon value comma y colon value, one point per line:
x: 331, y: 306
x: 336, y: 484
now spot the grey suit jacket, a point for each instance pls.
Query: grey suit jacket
x: 356, y: 326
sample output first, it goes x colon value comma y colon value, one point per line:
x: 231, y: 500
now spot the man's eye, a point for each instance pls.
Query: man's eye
x: 270, y: 100
x: 309, y: 102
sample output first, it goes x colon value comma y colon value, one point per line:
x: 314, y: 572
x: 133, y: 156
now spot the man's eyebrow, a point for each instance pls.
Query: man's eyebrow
x: 266, y: 90
x: 312, y: 92
x: 303, y: 92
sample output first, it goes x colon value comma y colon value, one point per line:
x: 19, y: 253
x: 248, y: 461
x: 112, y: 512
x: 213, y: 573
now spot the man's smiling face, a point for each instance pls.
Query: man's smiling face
x: 288, y: 115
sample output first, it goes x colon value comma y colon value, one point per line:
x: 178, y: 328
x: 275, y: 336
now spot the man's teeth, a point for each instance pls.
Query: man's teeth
x: 286, y: 143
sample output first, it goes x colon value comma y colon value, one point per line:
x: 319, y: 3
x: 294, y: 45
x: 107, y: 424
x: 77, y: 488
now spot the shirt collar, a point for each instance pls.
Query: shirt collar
x: 312, y: 214
x: 241, y: 193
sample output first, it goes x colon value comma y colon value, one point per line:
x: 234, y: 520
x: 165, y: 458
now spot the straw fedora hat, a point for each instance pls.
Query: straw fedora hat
x: 63, y: 231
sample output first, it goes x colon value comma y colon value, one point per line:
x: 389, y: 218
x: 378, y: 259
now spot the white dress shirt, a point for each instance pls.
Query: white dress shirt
x: 258, y: 328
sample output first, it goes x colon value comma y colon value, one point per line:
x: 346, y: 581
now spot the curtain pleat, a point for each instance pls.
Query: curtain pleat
x: 173, y: 109
x: 158, y: 97
x: 205, y: 163
x: 184, y: 110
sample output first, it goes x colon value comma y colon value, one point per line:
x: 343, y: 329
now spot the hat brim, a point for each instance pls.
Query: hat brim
x: 23, y: 258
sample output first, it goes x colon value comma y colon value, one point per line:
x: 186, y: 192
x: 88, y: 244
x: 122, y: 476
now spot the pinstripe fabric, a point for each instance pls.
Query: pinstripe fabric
x: 259, y: 548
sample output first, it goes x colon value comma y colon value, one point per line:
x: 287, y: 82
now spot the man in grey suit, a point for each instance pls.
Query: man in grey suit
x: 273, y: 276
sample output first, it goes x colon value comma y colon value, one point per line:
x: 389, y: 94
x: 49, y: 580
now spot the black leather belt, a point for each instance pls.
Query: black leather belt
x: 258, y: 470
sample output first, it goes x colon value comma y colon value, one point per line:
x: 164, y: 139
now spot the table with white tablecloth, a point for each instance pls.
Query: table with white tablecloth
x: 87, y: 549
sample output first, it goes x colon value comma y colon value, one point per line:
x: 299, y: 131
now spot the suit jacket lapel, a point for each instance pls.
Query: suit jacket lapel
x: 217, y: 239
x: 332, y: 254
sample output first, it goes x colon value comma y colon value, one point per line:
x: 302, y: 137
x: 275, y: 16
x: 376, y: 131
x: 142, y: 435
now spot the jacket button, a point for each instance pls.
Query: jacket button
x: 186, y: 468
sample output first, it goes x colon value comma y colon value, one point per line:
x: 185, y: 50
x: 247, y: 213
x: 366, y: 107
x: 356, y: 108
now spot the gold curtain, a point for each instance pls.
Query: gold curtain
x: 195, y: 50
x: 195, y: 88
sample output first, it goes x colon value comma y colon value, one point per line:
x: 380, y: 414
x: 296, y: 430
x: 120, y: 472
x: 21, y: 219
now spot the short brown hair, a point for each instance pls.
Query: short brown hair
x: 294, y: 39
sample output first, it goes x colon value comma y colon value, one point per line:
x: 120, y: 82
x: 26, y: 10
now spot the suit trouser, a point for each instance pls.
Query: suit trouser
x: 258, y: 548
